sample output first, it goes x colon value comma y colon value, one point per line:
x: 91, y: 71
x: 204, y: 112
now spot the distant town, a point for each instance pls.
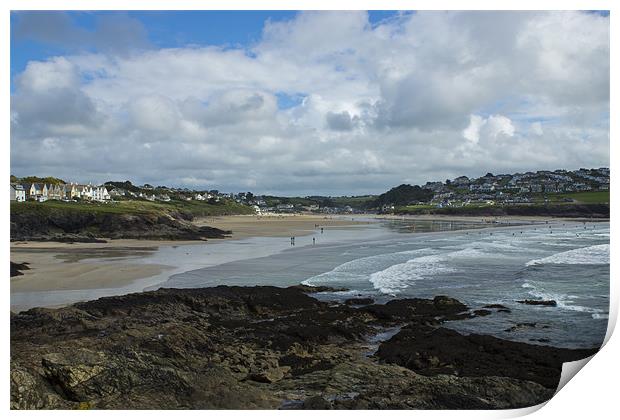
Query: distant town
x: 489, y: 190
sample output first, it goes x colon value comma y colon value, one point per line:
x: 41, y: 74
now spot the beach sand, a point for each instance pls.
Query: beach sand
x: 50, y: 270
x: 77, y: 266
x: 283, y: 225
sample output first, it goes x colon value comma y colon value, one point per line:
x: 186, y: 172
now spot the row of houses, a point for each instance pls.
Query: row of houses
x: 43, y: 192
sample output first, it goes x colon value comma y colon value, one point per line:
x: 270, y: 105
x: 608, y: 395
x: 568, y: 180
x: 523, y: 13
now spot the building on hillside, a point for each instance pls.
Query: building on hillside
x: 56, y: 192
x: 18, y: 193
x: 86, y: 192
x: 100, y: 193
x: 117, y: 192
x: 36, y: 191
x: 536, y: 188
x: 72, y: 191
x: 460, y: 181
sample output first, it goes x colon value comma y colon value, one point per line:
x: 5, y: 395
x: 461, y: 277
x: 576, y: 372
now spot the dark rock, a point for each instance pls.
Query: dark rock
x: 495, y: 306
x: 482, y: 312
x: 317, y: 289
x: 359, y: 301
x: 521, y: 326
x: 17, y: 268
x: 262, y: 347
x: 539, y: 302
x: 409, y: 309
x: 316, y: 403
x: 432, y: 351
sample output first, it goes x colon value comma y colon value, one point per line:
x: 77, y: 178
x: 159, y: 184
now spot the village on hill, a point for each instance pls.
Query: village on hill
x: 502, y: 189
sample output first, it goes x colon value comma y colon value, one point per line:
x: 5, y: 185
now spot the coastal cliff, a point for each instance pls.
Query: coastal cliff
x: 269, y: 347
x: 39, y: 223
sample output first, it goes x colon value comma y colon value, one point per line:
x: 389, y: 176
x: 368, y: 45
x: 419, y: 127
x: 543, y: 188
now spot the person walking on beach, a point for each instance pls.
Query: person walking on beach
x: 321, y: 231
x: 313, y: 241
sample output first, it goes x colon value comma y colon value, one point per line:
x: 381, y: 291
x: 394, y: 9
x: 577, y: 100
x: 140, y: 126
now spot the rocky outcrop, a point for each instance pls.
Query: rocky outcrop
x: 432, y: 351
x: 89, y: 226
x: 267, y: 347
x: 17, y: 268
x: 538, y: 302
x: 359, y: 301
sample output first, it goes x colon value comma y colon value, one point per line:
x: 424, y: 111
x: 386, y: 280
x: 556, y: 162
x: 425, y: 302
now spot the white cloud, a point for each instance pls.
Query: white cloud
x: 422, y: 96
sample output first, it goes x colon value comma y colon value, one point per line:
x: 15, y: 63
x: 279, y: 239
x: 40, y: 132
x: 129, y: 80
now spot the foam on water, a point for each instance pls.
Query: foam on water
x: 563, y: 301
x: 361, y: 268
x: 595, y: 254
x: 401, y: 276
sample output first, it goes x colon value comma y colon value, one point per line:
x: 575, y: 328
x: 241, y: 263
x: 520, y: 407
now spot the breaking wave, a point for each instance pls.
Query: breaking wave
x: 596, y: 254
x: 401, y: 276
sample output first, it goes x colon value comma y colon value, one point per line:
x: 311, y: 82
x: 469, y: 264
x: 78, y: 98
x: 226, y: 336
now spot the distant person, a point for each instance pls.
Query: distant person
x: 313, y: 241
x: 321, y: 231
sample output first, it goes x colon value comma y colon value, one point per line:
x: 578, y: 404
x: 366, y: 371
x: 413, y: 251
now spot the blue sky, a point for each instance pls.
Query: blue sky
x: 165, y: 29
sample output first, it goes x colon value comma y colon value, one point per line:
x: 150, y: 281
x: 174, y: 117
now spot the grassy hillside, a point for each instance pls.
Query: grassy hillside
x: 136, y: 207
x: 587, y: 197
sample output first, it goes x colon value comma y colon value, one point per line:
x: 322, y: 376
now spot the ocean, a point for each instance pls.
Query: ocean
x: 563, y: 261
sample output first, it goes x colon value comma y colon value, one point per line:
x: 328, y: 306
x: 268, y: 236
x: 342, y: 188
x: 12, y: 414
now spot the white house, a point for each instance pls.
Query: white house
x: 100, y: 193
x: 18, y: 193
x: 36, y: 191
x: 85, y: 192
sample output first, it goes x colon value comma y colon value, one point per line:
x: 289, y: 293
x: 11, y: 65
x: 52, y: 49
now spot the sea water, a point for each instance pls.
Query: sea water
x: 563, y: 261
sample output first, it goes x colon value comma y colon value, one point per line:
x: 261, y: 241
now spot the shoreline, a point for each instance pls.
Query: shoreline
x: 127, y: 264
x: 88, y: 269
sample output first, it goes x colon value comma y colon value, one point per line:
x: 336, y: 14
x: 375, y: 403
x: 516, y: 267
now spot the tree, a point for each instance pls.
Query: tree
x: 46, y: 180
x: 403, y: 195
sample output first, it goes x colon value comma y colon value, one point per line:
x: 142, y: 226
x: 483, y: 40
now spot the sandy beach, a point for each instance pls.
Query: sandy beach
x: 281, y: 225
x: 75, y: 266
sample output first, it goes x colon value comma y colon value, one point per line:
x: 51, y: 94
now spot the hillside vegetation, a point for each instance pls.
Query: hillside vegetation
x: 89, y: 221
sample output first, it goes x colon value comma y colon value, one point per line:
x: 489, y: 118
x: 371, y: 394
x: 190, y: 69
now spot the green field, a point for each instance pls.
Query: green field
x: 196, y: 208
x: 586, y: 197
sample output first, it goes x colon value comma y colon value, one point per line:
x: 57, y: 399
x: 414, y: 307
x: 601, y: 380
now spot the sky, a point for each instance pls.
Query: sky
x: 304, y: 103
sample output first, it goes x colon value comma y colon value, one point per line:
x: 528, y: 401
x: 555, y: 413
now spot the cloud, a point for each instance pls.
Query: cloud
x: 113, y: 33
x: 419, y: 97
x: 339, y: 121
x: 49, y: 101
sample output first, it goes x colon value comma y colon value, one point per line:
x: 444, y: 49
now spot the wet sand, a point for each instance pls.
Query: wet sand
x: 277, y: 225
x: 52, y: 270
x: 57, y: 266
